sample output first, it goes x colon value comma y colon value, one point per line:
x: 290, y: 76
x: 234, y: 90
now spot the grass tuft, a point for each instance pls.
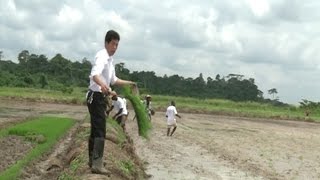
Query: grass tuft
x: 144, y: 124
x: 127, y: 166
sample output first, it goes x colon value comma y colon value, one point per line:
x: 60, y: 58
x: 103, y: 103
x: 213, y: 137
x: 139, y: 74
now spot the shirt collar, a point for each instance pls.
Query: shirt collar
x: 109, y: 58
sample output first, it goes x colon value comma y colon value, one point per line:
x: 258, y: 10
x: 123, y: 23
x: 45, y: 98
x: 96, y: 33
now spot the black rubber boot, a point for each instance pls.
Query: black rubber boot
x: 90, y: 149
x: 97, y: 158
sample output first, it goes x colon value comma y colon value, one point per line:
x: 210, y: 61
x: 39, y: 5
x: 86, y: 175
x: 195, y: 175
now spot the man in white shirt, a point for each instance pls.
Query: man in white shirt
x: 119, y: 104
x: 101, y: 77
x: 171, y: 118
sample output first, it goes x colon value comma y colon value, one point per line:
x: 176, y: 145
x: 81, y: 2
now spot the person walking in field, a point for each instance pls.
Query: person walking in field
x: 119, y: 104
x: 171, y: 118
x: 101, y: 77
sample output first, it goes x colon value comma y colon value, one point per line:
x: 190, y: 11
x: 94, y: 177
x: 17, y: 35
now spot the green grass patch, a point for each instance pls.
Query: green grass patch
x: 33, y: 94
x: 144, y: 124
x: 218, y: 106
x: 45, y: 131
x: 161, y: 102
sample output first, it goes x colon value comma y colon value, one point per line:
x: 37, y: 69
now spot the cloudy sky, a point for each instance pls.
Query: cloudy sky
x: 276, y: 42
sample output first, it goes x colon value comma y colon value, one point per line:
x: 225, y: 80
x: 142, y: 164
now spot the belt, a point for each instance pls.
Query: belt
x: 96, y: 92
x: 91, y: 94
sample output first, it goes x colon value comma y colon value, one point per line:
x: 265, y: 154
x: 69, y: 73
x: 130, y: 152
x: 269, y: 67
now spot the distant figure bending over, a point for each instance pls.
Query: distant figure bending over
x: 171, y: 120
x: 120, y: 105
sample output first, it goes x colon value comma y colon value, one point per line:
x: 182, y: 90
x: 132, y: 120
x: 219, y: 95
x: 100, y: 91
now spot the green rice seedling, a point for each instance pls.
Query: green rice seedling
x: 112, y: 124
x: 144, y: 124
x: 44, y: 131
x: 127, y: 166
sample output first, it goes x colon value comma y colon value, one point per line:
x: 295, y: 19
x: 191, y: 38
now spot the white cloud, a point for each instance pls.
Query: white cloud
x: 259, y: 7
x: 69, y: 15
x: 273, y: 41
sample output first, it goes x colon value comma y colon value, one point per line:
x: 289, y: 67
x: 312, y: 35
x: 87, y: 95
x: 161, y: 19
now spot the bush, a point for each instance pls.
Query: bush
x: 60, y: 87
x: 67, y: 90
x: 6, y: 78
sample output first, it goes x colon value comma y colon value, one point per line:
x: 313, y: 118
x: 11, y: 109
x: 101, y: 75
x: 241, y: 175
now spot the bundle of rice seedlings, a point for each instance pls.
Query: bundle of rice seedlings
x: 144, y: 124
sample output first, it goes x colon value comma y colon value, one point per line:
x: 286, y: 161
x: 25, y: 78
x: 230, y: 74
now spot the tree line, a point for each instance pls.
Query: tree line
x: 59, y: 73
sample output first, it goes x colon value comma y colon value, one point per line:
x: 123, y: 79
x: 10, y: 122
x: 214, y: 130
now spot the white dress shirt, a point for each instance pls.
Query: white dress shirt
x: 102, y: 65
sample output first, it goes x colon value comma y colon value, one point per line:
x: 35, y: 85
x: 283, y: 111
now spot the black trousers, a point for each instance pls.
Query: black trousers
x: 97, y: 109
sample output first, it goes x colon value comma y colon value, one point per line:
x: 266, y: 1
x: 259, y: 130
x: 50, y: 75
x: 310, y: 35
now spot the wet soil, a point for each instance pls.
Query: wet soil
x: 12, y: 149
x: 118, y: 155
x: 224, y: 147
x: 203, y: 147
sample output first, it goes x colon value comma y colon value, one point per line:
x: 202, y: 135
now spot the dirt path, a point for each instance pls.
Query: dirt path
x: 13, y: 110
x: 221, y: 147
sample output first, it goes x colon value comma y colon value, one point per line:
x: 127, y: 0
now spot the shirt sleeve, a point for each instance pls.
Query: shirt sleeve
x: 97, y: 65
x: 175, y: 111
x: 114, y: 78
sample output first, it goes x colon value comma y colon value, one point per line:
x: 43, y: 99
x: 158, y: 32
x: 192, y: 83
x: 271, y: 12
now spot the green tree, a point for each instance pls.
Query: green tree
x: 8, y: 66
x: 23, y: 56
x: 43, y: 80
x: 198, y: 87
x: 121, y: 71
x: 61, y: 69
x: 272, y: 92
x: 61, y: 74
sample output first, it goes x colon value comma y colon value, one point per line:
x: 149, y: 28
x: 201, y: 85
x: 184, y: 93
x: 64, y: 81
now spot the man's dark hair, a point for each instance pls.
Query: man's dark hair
x: 173, y: 103
x: 110, y: 35
x: 114, y: 97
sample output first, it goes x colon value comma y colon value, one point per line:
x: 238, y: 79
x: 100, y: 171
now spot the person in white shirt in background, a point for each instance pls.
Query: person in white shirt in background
x: 120, y: 105
x: 171, y: 118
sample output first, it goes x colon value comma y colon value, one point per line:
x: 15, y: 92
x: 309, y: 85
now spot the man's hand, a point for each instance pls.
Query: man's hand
x: 134, y: 88
x: 112, y: 93
x: 133, y: 85
x: 108, y: 91
x: 105, y: 89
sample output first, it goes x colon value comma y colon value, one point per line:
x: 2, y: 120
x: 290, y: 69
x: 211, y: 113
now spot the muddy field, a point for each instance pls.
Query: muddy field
x: 222, y: 147
x: 208, y: 146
